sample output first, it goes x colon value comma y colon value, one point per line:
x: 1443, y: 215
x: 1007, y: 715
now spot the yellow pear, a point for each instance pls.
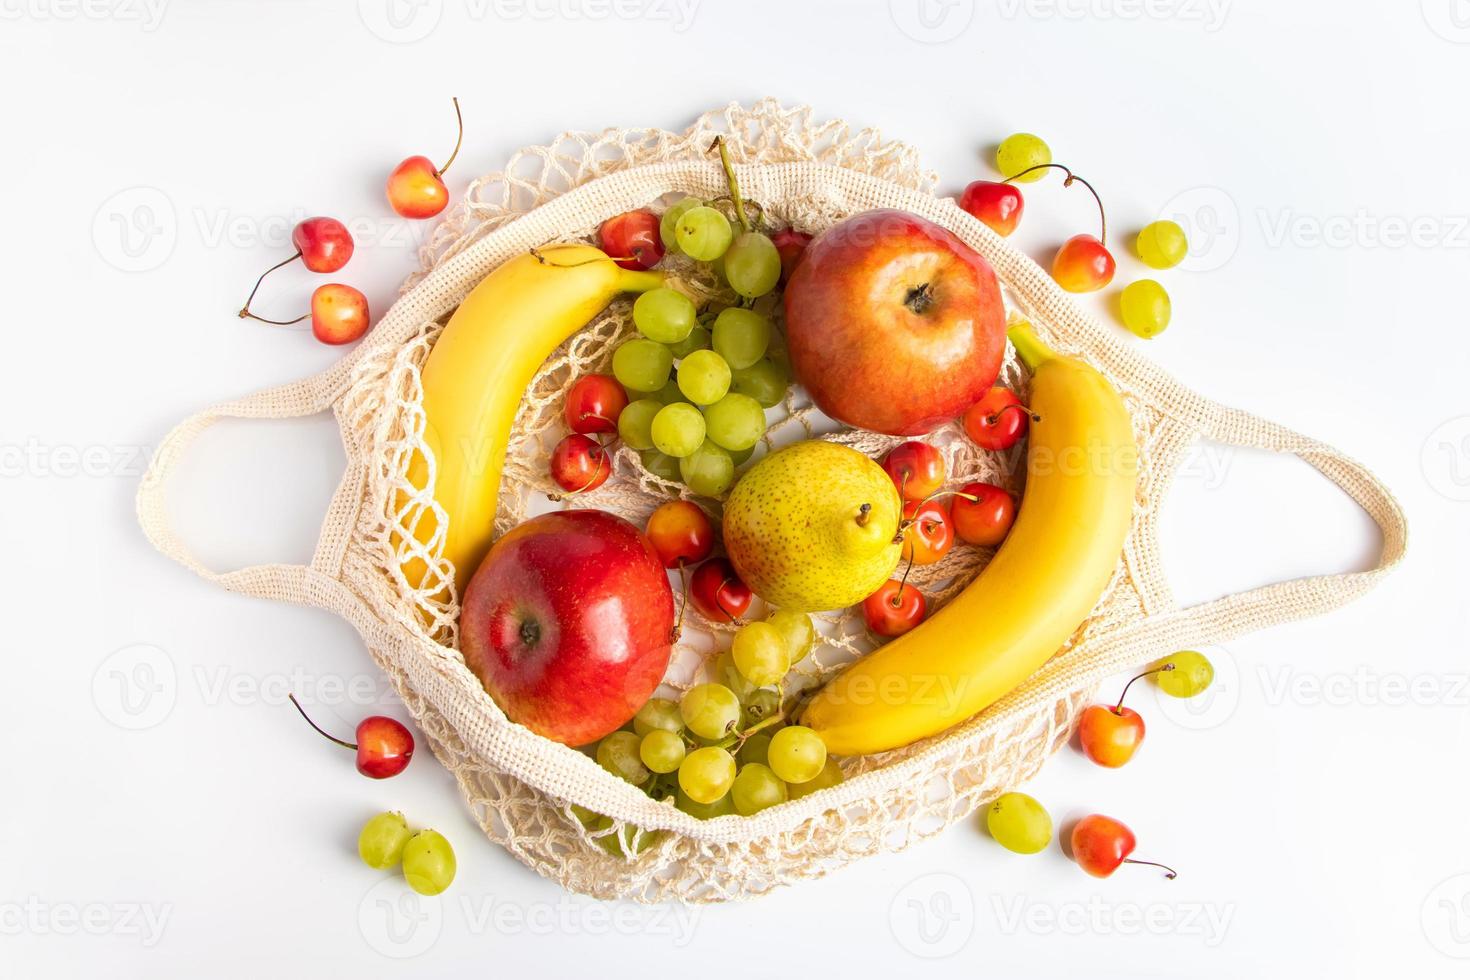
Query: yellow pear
x: 812, y: 527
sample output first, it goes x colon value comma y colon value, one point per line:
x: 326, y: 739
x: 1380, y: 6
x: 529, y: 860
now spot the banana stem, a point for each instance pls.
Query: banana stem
x: 1029, y: 346
x: 639, y: 280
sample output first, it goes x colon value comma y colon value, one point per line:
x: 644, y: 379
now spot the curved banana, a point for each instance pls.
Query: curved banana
x: 1082, y: 466
x: 477, y: 374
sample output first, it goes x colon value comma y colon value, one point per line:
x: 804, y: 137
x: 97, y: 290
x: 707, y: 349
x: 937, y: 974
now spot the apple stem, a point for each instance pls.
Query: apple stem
x: 458, y: 140
x: 735, y: 197
x: 245, y: 310
x: 1118, y: 708
x: 1071, y: 177
x: 330, y: 738
x: 1169, y: 872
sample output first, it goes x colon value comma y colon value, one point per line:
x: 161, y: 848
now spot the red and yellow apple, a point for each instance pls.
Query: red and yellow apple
x: 893, y: 323
x: 568, y: 623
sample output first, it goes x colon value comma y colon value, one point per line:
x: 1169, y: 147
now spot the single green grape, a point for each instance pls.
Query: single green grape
x: 764, y: 381
x: 1146, y: 308
x: 618, y: 754
x: 708, y: 471
x: 705, y: 811
x: 661, y: 751
x: 830, y: 775
x: 752, y: 264
x: 428, y: 862
x: 704, y: 377
x: 642, y: 365
x: 760, y: 705
x: 677, y: 429
x: 796, y: 629
x: 754, y: 749
x: 668, y: 224
x: 797, y: 754
x: 380, y: 844
x: 665, y: 315
x: 661, y: 466
x: 703, y: 233
x: 725, y: 672
x: 698, y: 339
x: 710, y: 710
x: 635, y: 423
x: 756, y: 787
x: 1162, y: 244
x: 706, y: 774
x: 1021, y: 151
x: 735, y: 422
x: 658, y: 714
x: 741, y: 336
x: 1192, y: 673
x: 1019, y: 823
x: 760, y: 654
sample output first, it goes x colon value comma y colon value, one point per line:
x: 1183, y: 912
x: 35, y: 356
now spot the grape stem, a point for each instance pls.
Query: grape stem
x: 1169, y: 872
x: 330, y: 738
x: 1118, y: 708
x: 1071, y: 177
x: 735, y: 197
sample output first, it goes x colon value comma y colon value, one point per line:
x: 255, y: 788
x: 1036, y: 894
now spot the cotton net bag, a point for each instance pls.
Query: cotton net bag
x: 534, y: 796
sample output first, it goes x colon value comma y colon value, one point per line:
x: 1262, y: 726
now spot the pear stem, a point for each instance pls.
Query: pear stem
x: 863, y: 512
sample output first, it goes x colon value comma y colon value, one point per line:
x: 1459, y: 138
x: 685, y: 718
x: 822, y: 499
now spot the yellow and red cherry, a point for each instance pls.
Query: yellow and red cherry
x: 1100, y: 845
x: 997, y: 421
x: 580, y: 464
x: 384, y: 746
x: 339, y: 313
x: 928, y: 533
x: 1111, y: 734
x: 894, y: 609
x: 416, y: 187
x: 916, y: 468
x: 791, y: 246
x: 982, y: 514
x: 718, y: 593
x: 632, y: 239
x: 995, y: 203
x: 1083, y: 265
x: 594, y: 403
x: 680, y: 533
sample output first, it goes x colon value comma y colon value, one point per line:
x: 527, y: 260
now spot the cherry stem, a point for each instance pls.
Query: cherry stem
x: 601, y: 457
x: 458, y: 140
x: 1169, y: 872
x: 1118, y: 708
x: 863, y: 512
x: 331, y: 738
x: 735, y: 197
x: 1071, y: 177
x: 683, y: 598
x: 719, y: 604
x: 245, y: 310
x: 994, y: 416
x: 898, y: 596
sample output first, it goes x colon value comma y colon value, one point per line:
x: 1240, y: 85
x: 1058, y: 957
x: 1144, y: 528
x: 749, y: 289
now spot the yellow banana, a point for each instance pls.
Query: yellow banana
x: 477, y: 373
x: 1082, y: 466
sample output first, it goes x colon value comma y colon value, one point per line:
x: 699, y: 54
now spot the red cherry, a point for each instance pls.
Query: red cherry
x: 632, y: 239
x: 997, y: 421
x: 998, y: 205
x: 339, y: 313
x: 594, y: 404
x: 1100, y: 844
x: 579, y: 464
x: 415, y: 187
x: 1110, y: 735
x: 928, y: 533
x: 1083, y: 265
x: 681, y: 533
x: 791, y: 246
x: 986, y: 520
x: 917, y: 469
x: 718, y: 593
x: 324, y: 244
x: 894, y: 609
x: 384, y: 746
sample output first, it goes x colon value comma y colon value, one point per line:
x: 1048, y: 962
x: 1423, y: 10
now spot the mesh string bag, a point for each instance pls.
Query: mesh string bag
x: 534, y: 796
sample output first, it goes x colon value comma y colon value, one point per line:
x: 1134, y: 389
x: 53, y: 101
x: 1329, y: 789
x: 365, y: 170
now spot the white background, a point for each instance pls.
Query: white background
x: 1316, y: 810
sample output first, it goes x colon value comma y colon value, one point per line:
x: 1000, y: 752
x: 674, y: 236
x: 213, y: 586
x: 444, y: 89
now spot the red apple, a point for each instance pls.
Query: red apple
x: 567, y: 623
x: 893, y: 324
